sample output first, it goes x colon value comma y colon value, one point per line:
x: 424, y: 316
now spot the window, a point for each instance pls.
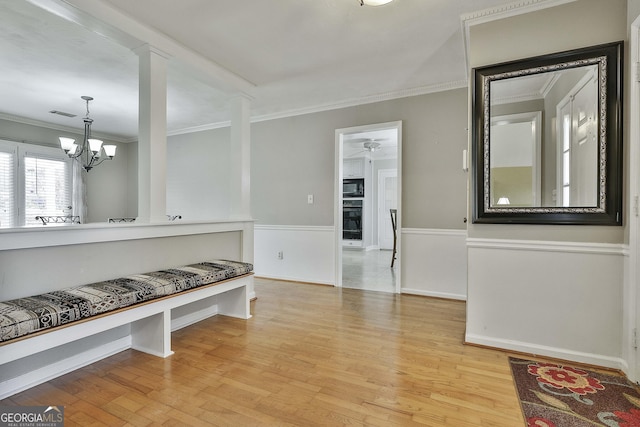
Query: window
x: 8, y: 183
x: 34, y: 181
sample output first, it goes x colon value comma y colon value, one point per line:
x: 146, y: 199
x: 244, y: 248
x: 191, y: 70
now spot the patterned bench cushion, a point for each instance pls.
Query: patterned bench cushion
x: 24, y: 316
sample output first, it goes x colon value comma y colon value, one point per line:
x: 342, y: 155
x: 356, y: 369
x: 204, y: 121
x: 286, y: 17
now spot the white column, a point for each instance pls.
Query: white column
x: 240, y: 191
x: 152, y: 135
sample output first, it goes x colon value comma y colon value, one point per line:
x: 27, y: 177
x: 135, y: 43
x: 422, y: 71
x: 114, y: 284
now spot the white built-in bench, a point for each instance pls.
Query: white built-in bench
x: 144, y: 301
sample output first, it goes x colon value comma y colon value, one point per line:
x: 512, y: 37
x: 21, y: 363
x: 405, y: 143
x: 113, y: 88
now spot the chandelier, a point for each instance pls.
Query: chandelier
x: 91, y: 152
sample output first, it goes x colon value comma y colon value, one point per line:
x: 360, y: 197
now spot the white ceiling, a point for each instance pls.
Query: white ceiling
x: 298, y: 56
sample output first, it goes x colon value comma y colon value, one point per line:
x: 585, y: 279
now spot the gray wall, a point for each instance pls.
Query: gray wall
x: 295, y: 156
x: 197, y: 175
x: 570, y: 26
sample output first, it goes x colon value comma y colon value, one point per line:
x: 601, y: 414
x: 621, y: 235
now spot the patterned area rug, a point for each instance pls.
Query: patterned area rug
x: 553, y: 395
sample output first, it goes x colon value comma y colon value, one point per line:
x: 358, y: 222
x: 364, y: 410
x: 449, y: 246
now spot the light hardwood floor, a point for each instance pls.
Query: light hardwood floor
x: 311, y: 355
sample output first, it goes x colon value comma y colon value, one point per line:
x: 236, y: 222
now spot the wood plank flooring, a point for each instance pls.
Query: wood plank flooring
x: 310, y: 356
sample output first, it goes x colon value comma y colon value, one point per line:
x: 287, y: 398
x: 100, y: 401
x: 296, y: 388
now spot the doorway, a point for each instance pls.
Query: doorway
x: 372, y: 154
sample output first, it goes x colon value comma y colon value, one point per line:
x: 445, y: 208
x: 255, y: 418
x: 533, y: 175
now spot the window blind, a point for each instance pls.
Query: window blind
x: 8, y: 184
x: 47, y: 187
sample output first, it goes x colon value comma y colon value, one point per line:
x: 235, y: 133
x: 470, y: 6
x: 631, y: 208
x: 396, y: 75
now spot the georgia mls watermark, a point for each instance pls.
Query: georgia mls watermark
x: 31, y: 416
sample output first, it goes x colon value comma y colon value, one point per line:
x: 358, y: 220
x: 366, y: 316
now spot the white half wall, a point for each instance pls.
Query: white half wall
x: 308, y: 253
x: 98, y: 252
x: 434, y: 263
x: 555, y: 299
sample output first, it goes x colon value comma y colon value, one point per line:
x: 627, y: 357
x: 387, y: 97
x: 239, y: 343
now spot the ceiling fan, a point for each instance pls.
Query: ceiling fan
x: 368, y: 144
x: 371, y: 145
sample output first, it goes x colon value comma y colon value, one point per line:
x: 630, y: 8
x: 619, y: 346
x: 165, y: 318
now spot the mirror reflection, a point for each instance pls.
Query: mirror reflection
x: 543, y: 136
x: 547, y: 139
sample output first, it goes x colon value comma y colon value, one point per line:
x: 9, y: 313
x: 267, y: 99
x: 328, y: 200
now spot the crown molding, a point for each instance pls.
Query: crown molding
x: 201, y: 128
x: 385, y: 96
x: 519, y: 7
x: 533, y: 96
x: 515, y: 8
x: 61, y: 128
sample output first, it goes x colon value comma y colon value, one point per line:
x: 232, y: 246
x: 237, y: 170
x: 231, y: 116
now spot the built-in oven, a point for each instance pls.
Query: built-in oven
x: 352, y: 220
x: 353, y: 187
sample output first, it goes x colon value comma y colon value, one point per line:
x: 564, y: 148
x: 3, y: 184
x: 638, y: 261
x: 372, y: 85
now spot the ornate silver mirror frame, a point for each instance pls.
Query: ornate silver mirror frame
x: 595, y: 196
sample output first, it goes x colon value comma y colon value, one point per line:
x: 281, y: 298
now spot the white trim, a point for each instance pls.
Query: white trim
x: 38, y: 237
x: 353, y: 102
x: 444, y: 295
x: 293, y: 279
x: 549, y: 246
x: 630, y: 319
x: 323, y: 228
x: 338, y: 200
x: 61, y: 128
x: 534, y: 118
x: 558, y: 353
x: 370, y: 99
x: 434, y: 231
x: 519, y: 7
x: 69, y: 364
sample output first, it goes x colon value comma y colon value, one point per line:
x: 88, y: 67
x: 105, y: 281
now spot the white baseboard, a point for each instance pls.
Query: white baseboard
x: 54, y: 370
x: 541, y: 350
x: 293, y: 279
x: 434, y: 294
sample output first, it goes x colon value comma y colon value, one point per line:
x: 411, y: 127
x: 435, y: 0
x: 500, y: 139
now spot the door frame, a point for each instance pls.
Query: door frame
x: 631, y: 293
x: 339, y: 157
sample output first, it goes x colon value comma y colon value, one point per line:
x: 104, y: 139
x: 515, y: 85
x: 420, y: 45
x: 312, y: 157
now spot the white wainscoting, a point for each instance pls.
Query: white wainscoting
x: 434, y: 263
x: 308, y: 253
x: 556, y: 299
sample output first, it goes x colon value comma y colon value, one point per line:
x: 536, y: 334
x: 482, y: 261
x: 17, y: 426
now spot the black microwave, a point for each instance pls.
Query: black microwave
x: 353, y: 187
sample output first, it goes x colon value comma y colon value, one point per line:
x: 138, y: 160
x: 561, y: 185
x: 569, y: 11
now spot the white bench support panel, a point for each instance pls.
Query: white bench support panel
x: 234, y: 303
x: 153, y: 334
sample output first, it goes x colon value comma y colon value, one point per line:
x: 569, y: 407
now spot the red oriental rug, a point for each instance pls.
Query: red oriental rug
x: 553, y: 395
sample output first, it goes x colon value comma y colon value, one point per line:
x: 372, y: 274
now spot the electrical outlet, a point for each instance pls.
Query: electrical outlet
x: 280, y: 255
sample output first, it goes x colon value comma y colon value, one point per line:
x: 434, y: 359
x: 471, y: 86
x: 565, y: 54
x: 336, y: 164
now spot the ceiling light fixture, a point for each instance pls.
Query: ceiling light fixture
x: 374, y: 2
x: 371, y: 145
x: 91, y: 152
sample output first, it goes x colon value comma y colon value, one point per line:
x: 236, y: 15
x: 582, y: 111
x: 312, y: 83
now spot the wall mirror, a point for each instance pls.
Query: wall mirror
x: 547, y: 139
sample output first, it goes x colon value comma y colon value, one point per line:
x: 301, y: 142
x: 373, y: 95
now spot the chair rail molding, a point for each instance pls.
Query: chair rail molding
x: 550, y: 246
